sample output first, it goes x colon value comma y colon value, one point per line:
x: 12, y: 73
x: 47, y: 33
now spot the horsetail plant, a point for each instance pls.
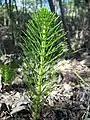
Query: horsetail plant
x: 43, y: 44
x: 8, y: 69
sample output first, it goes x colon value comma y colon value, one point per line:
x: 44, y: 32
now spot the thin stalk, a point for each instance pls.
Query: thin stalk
x: 41, y: 71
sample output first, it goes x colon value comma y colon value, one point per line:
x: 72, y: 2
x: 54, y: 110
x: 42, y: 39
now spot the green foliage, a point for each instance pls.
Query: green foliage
x: 8, y: 71
x: 42, y: 46
x: 6, y: 74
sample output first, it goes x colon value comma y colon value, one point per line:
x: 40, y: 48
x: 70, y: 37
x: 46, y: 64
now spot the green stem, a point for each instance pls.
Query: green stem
x: 40, y: 76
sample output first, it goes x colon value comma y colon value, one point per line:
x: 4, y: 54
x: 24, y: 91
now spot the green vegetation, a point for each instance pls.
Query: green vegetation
x: 61, y: 31
x: 8, y: 70
x: 43, y: 40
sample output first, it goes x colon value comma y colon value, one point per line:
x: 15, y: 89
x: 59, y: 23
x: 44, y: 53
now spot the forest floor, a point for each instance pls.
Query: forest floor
x: 69, y: 100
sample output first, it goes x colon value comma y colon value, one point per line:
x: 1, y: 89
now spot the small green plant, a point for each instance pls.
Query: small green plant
x: 42, y: 45
x: 8, y: 71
